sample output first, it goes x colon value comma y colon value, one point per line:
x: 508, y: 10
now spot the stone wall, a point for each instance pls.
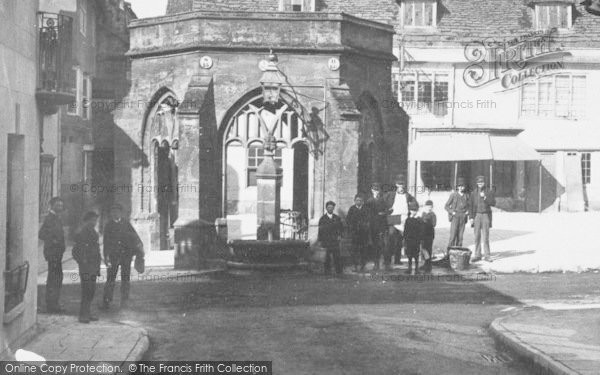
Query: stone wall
x: 19, y: 126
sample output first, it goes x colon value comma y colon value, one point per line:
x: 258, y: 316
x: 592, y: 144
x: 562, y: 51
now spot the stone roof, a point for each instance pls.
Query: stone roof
x: 462, y: 21
x: 459, y: 21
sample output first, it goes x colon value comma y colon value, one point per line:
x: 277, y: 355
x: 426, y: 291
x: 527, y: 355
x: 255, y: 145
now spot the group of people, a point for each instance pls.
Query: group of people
x: 121, y: 244
x: 383, y: 224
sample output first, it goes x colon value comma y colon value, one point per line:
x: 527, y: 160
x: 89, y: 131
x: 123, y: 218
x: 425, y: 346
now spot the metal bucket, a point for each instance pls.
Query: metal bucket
x: 460, y: 258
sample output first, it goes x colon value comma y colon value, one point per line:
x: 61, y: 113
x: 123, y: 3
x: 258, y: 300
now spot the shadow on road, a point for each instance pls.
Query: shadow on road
x: 224, y: 290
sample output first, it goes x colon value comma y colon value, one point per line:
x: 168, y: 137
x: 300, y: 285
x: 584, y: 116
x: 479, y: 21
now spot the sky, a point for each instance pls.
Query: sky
x: 148, y: 8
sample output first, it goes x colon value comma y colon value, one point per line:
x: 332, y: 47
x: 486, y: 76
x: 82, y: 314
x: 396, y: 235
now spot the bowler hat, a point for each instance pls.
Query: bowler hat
x: 413, y: 206
x: 480, y: 179
x: 460, y: 181
x: 429, y: 203
x: 400, y: 179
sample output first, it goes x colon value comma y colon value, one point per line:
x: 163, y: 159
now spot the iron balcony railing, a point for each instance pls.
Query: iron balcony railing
x: 56, y: 50
x: 15, y: 285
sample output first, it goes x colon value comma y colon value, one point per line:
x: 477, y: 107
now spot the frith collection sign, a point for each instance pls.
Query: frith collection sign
x: 513, y: 62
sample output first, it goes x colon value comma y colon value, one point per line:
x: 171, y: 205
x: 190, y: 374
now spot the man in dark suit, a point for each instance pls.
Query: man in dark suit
x: 53, y: 235
x: 86, y: 253
x: 359, y: 226
x: 378, y: 213
x: 121, y: 244
x: 480, y: 211
x: 330, y: 234
x: 458, y: 209
x: 398, y: 208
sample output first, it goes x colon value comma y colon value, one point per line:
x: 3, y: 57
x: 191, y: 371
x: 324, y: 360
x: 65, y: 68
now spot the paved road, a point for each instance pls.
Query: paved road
x: 310, y: 324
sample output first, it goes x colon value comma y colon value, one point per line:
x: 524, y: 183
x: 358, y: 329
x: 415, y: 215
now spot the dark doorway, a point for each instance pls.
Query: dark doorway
x: 300, y: 203
x: 166, y: 194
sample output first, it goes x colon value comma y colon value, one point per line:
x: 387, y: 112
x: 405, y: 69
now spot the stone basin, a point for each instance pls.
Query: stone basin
x: 276, y: 254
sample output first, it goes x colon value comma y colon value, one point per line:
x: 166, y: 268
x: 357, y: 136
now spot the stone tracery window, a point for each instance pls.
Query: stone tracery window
x: 243, y: 152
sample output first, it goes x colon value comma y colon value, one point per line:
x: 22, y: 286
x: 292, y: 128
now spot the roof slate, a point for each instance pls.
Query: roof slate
x: 459, y: 21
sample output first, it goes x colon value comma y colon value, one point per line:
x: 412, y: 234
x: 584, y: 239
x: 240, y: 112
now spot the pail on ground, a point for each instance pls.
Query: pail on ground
x: 459, y: 258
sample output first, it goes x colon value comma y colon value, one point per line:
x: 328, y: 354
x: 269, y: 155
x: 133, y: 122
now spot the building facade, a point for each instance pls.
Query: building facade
x: 546, y: 53
x: 68, y: 65
x: 523, y: 68
x: 19, y: 170
x: 191, y: 134
x: 82, y: 45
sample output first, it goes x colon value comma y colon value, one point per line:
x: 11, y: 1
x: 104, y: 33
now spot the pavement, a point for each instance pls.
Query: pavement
x: 554, y: 341
x: 534, y: 243
x: 114, y: 340
x: 62, y: 338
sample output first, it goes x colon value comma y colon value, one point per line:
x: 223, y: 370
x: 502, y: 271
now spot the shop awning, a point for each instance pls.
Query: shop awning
x: 464, y: 146
x: 511, y: 148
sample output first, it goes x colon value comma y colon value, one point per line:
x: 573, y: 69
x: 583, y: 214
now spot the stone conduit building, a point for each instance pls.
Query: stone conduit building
x: 500, y: 88
x: 189, y: 140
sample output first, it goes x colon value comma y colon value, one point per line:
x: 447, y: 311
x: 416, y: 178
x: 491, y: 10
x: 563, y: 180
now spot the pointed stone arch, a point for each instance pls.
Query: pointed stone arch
x: 371, y: 166
x: 245, y: 126
x: 159, y: 180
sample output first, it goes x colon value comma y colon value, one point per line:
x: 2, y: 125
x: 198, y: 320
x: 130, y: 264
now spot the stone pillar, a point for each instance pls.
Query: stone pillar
x: 268, y: 184
x: 199, y: 181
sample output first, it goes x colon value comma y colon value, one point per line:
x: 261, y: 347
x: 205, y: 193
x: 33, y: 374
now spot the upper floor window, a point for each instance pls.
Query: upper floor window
x: 553, y: 15
x: 88, y: 160
x: 83, y: 18
x: 86, y: 97
x: 424, y: 92
x: 419, y: 13
x: 83, y: 95
x: 559, y: 96
x: 586, y: 167
x: 73, y: 108
x: 296, y: 5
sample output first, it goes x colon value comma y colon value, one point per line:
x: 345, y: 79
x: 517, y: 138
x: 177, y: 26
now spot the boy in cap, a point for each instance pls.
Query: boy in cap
x: 412, y: 237
x: 429, y: 222
x: 480, y: 211
x: 458, y: 210
x: 330, y: 234
x: 378, y: 222
x: 398, y: 209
